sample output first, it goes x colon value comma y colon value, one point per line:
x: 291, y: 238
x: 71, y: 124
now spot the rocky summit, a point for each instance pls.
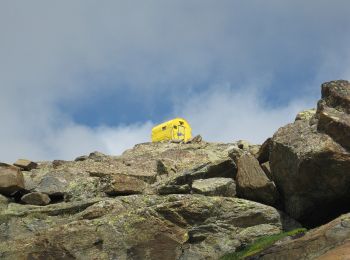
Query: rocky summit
x: 193, y: 200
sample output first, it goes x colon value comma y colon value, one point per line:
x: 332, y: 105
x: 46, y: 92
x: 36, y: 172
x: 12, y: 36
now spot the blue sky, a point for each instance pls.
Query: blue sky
x: 78, y: 76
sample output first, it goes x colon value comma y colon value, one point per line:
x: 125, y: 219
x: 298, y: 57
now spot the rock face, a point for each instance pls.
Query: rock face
x: 330, y: 241
x: 225, y: 187
x: 310, y: 160
x: 252, y: 182
x: 136, y: 227
x: 11, y: 179
x: 143, y: 204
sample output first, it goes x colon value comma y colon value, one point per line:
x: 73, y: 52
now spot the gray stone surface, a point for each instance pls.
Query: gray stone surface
x: 225, y: 187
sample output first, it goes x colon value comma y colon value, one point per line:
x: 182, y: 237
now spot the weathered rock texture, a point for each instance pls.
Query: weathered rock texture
x: 136, y: 227
x: 331, y: 241
x: 310, y: 160
x: 130, y: 207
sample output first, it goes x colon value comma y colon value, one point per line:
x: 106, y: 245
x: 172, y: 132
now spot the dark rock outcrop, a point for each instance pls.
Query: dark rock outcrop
x: 263, y: 154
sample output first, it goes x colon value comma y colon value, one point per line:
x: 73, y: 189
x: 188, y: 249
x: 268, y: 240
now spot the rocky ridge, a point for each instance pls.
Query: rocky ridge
x: 194, y: 200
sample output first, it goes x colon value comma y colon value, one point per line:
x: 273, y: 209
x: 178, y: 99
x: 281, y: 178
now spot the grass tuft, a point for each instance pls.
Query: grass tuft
x: 261, y: 244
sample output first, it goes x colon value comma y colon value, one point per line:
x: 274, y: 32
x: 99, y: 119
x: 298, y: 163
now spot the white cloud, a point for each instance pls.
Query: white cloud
x: 74, y: 140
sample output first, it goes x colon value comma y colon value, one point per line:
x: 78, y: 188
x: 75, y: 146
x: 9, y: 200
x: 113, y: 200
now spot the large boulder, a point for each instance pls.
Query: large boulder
x: 53, y: 186
x: 309, y: 161
x: 252, y: 182
x: 11, y: 179
x: 136, y: 227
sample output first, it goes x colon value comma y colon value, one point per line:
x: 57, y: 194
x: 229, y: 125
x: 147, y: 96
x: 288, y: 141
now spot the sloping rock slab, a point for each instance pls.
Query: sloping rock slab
x: 225, y: 187
x: 138, y: 227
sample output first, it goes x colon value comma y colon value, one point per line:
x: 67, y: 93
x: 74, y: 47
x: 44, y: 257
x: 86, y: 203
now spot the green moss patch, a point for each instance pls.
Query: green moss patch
x: 261, y: 244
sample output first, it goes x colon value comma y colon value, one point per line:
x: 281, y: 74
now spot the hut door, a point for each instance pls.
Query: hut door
x: 181, y: 132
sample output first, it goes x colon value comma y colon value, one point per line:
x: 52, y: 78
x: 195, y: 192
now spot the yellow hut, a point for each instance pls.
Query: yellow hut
x: 175, y: 129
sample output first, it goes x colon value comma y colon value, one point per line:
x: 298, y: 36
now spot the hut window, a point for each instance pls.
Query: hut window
x: 175, y: 127
x: 164, y: 128
x: 181, y: 123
